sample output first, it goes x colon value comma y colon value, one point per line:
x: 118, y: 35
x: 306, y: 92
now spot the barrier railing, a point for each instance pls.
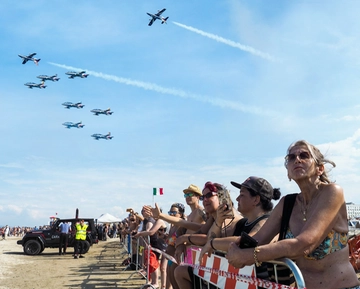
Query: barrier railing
x: 128, y: 246
x: 216, y: 270
x: 142, y: 260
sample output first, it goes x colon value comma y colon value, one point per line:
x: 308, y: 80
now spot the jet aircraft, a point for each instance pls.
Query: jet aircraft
x: 157, y: 16
x: 70, y: 124
x: 98, y: 136
x: 38, y: 85
x: 98, y: 111
x: 80, y: 74
x: 29, y: 57
x: 47, y: 77
x: 68, y: 105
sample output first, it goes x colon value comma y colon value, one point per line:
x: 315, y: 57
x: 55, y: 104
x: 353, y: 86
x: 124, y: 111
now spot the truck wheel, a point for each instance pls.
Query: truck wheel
x: 32, y: 247
x: 86, y: 247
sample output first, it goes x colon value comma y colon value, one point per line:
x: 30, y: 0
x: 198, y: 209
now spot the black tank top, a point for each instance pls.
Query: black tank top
x: 243, y: 225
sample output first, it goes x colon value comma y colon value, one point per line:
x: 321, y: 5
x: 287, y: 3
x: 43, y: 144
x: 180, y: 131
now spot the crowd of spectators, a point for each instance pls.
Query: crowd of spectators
x: 288, y: 230
x: 17, y: 231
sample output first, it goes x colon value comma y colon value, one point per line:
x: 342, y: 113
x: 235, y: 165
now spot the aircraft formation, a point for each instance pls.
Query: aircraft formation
x: 67, y: 105
x: 80, y: 74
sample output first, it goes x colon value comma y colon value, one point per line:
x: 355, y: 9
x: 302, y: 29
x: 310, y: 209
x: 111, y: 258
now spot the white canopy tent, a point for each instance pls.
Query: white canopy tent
x: 107, y: 218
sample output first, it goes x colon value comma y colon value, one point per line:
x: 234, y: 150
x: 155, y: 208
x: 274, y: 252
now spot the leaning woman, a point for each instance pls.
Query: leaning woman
x: 316, y: 238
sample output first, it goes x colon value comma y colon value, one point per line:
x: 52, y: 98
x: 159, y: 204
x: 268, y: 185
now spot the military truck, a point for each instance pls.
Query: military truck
x: 34, y: 242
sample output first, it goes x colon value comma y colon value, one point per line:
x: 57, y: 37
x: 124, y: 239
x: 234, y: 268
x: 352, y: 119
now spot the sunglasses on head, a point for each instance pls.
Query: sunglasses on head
x: 302, y: 156
x: 173, y: 212
x: 189, y: 195
x: 207, y: 196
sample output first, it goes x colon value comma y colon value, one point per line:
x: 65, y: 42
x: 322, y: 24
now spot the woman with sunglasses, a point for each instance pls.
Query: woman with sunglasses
x: 316, y: 236
x: 210, y: 198
x: 213, y: 207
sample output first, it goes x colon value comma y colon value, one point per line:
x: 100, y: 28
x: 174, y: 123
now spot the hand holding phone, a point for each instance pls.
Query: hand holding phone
x: 247, y: 241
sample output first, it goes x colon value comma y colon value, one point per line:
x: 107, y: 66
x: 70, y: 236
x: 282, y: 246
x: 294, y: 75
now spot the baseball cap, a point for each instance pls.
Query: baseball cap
x: 258, y: 185
x: 193, y: 189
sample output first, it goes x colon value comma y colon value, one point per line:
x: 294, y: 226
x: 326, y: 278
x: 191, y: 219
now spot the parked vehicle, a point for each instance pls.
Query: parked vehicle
x: 34, y: 242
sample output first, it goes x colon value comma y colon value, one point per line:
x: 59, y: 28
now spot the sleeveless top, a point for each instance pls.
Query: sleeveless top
x: 243, y: 226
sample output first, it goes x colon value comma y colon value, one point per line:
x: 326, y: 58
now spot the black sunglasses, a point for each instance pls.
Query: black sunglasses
x: 162, y: 229
x: 207, y: 196
x: 302, y: 156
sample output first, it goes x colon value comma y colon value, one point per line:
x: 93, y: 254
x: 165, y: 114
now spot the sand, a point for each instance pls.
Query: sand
x: 101, y: 268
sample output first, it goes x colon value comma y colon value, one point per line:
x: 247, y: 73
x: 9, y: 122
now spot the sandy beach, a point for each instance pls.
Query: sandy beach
x: 101, y: 268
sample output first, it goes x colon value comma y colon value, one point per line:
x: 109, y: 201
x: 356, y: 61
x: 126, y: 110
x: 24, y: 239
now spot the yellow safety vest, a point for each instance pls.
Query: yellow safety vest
x: 81, y: 232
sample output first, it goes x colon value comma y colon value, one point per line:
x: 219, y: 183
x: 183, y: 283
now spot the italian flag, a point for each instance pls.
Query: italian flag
x: 158, y: 191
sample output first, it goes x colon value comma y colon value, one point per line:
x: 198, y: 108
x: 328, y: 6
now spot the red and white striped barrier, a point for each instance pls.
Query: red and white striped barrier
x: 217, y: 271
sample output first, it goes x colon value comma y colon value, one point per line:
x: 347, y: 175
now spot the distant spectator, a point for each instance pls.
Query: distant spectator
x: 64, y: 237
x: 6, y: 232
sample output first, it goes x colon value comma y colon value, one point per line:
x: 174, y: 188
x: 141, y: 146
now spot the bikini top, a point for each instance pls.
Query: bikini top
x: 333, y: 242
x: 172, y: 239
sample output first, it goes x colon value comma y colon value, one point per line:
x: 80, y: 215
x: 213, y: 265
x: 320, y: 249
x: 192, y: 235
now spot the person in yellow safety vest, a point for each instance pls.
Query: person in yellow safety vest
x: 80, y: 237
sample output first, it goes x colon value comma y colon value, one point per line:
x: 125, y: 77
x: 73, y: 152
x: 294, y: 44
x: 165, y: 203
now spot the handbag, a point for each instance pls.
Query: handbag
x: 284, y: 274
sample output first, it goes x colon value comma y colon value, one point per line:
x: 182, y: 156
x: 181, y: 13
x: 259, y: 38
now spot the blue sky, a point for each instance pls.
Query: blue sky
x: 217, y: 94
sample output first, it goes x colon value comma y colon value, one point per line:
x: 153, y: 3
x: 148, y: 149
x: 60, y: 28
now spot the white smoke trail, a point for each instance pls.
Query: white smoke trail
x: 228, y: 42
x: 172, y: 91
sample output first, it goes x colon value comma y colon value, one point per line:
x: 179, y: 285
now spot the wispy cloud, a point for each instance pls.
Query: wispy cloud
x: 173, y: 91
x: 229, y: 42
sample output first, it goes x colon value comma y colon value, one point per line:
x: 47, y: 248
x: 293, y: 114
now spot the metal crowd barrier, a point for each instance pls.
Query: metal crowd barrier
x: 215, y: 272
x: 142, y: 262
x: 128, y: 247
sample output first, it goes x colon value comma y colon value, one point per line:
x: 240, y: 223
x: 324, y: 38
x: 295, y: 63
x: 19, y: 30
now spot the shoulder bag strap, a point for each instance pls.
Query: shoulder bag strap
x: 289, y: 202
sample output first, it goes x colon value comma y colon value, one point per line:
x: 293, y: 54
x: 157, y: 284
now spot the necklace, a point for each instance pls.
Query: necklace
x: 248, y: 224
x: 304, y: 209
x: 224, y: 227
x: 304, y: 212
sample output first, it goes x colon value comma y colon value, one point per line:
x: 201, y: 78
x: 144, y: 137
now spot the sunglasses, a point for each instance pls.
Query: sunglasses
x: 162, y: 229
x: 292, y: 157
x: 173, y: 213
x: 207, y: 196
x: 189, y: 195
